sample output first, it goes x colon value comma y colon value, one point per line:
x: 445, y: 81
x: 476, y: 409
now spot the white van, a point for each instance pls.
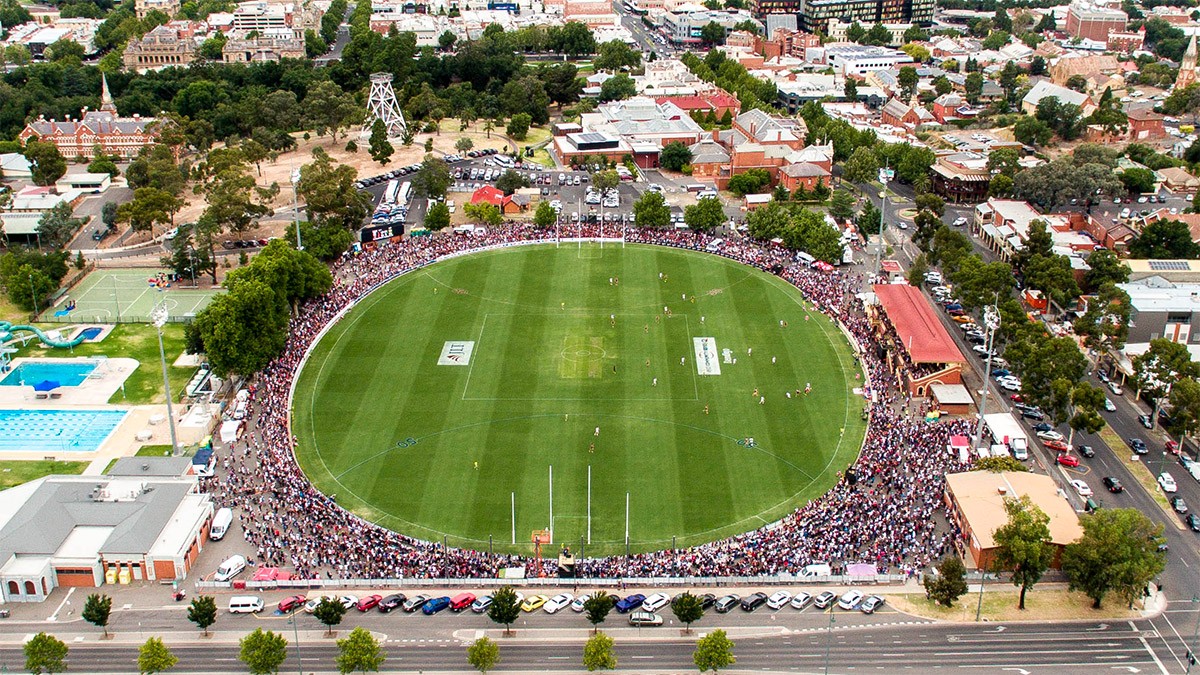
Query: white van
x: 229, y: 569
x: 245, y: 604
x: 220, y: 523
x: 817, y: 570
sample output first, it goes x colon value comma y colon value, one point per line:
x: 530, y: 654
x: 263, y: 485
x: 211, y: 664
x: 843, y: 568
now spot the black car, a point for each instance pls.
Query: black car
x: 1193, y: 521
x: 1139, y: 446
x: 392, y: 602
x: 1034, y: 414
x: 1085, y: 450
x: 1179, y: 505
x: 1043, y: 427
x: 753, y: 602
x: 707, y: 601
x: 727, y: 603
x: 1113, y: 484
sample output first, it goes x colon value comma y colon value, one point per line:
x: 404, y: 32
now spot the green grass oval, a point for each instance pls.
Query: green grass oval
x: 561, y: 342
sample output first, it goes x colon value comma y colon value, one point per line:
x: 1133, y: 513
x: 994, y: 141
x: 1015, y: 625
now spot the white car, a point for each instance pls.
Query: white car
x: 959, y: 222
x: 655, y: 602
x: 311, y: 605
x: 1081, y: 488
x: 349, y: 601
x: 1109, y: 405
x: 1010, y: 385
x: 1115, y: 388
x: 1049, y: 435
x: 778, y: 599
x: 577, y: 604
x: 801, y: 600
x: 850, y: 599
x: 1167, y: 482
x: 557, y: 602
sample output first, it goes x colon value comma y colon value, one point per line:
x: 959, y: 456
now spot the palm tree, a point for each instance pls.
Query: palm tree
x: 488, y: 125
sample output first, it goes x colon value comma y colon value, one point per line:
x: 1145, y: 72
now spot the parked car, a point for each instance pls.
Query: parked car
x: 1033, y: 414
x: 1167, y: 482
x: 640, y: 619
x: 871, y: 604
x: 533, y: 602
x: 1050, y: 435
x: 1067, y: 460
x: 415, y: 602
x: 368, y: 603
x: 629, y: 603
x: 1057, y: 446
x: 655, y: 602
x: 1044, y: 426
x: 291, y: 603
x: 1179, y: 505
x: 461, y: 601
x: 553, y: 605
x: 1113, y: 484
x: 753, y: 601
x: 348, y: 601
x: 778, y: 599
x: 1081, y: 488
x: 824, y: 599
x: 392, y: 602
x: 801, y: 600
x: 850, y: 599
x: 727, y: 603
x: 435, y: 605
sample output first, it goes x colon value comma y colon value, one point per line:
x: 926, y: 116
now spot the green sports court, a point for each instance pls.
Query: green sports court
x: 451, y: 401
x: 127, y: 295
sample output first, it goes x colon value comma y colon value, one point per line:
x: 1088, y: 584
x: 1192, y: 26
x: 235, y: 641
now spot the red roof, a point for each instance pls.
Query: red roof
x: 917, y: 325
x: 488, y: 194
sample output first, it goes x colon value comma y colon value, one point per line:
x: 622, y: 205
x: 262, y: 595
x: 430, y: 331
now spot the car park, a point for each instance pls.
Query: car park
x: 655, y: 602
x: 1113, y: 484
x: 778, y: 599
x: 727, y: 603
x: 291, y: 603
x: 435, y: 605
x: 824, y: 599
x: 850, y: 599
x: 392, y: 602
x: 1081, y: 488
x: 642, y: 619
x: 1179, y: 505
x: 1067, y: 460
x: 753, y: 601
x: 367, y: 603
x: 801, y: 600
x: 415, y: 602
x: 870, y: 604
x: 533, y: 602
x: 553, y: 605
x: 1167, y: 482
x: 629, y: 603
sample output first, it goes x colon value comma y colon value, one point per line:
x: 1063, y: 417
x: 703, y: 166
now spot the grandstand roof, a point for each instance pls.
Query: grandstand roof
x: 922, y: 333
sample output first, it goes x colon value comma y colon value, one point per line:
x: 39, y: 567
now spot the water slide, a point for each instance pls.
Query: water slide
x: 7, y: 329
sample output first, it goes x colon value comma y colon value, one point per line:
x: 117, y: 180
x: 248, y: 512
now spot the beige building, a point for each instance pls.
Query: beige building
x: 144, y: 7
x: 162, y: 47
x: 263, y: 49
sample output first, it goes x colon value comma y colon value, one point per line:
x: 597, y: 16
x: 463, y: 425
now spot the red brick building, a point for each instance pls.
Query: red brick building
x: 718, y: 102
x: 1145, y: 124
x: 1094, y: 22
x: 123, y: 137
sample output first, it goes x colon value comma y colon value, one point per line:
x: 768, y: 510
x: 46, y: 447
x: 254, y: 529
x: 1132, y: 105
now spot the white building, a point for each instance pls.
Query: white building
x: 860, y: 60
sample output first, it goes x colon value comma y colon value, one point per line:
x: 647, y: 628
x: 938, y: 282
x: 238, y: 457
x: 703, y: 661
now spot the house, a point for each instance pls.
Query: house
x: 1145, y: 124
x: 123, y: 137
x: 718, y: 102
x: 708, y: 157
x: 1047, y: 89
x: 897, y: 113
x: 1178, y: 180
x: 806, y: 175
x: 951, y: 106
x: 506, y: 203
x: 14, y: 165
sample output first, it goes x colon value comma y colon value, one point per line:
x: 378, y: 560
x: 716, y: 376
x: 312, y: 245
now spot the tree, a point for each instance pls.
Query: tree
x: 359, y: 652
x: 433, y: 178
x: 651, y: 210
x: 868, y: 219
x: 674, y: 156
x: 446, y: 40
x: 96, y: 610
x: 263, y: 652
x: 45, y: 653
x: 598, y: 653
x: 1165, y: 362
x: 950, y: 583
x: 856, y: 33
x: 597, y: 607
x: 154, y: 657
x: 108, y: 214
x: 688, y: 609
x: 330, y: 197
x: 751, y: 181
x: 1105, y: 268
x: 104, y: 164
x: 841, y: 205
x: 518, y: 126
x: 615, y: 55
x: 1164, y: 239
x: 510, y: 181
x: 973, y: 86
x: 381, y: 150
x: 150, y: 206
x: 916, y: 273
x: 1023, y: 544
x: 1138, y: 181
x: 1105, y: 324
x: 1004, y: 160
x: 504, y: 608
x: 908, y: 80
x: 850, y: 89
x: 862, y: 166
x: 46, y: 163
x: 713, y: 652
x: 878, y: 35
x: 1185, y: 405
x: 1053, y: 275
x: 57, y: 226
x: 437, y: 217
x: 618, y: 88
x: 999, y: 464
x: 329, y: 612
x: 330, y: 110
x: 203, y: 612
x: 488, y: 214
x: 545, y: 215
x: 1032, y: 131
x: 932, y: 203
x: 606, y: 180
x: 1118, y: 553
x: 483, y: 654
x: 706, y: 214
x: 712, y: 33
x: 464, y: 144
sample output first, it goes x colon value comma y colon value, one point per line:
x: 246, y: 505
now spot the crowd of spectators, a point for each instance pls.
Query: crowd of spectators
x: 881, y: 511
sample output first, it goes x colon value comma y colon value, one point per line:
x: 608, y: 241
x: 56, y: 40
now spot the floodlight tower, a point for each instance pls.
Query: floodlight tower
x: 381, y: 105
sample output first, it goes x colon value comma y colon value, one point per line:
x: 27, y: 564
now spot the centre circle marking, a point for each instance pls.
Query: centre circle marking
x: 583, y: 353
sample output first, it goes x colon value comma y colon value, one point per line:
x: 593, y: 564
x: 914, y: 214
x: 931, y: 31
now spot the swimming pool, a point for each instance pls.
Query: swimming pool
x: 65, y: 373
x: 57, y: 430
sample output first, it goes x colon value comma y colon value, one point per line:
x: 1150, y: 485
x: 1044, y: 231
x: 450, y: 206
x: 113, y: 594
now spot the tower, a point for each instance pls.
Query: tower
x: 381, y: 105
x: 1187, y: 67
x: 106, y: 101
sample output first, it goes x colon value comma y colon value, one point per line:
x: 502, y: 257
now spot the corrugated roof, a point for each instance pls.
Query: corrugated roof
x: 922, y: 333
x: 982, y: 505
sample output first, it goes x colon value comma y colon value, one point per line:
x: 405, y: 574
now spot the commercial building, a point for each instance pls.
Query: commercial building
x: 860, y: 59
x: 975, y: 501
x: 683, y: 26
x: 85, y: 531
x: 1091, y: 21
x: 1163, y: 309
x: 837, y: 31
x: 144, y: 7
x: 815, y: 15
x: 263, y: 48
x: 962, y: 177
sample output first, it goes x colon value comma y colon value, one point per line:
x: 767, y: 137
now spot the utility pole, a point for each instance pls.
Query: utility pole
x: 991, y: 321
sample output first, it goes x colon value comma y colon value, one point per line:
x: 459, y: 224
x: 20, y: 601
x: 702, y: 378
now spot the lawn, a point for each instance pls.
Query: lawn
x: 135, y: 341
x: 11, y: 313
x: 1051, y: 604
x: 15, y: 472
x: 154, y: 450
x: 569, y: 371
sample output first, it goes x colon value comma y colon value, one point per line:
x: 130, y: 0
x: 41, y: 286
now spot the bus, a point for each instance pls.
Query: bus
x: 389, y: 193
x: 405, y: 193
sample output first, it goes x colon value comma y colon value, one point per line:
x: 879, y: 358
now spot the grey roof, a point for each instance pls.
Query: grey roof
x: 62, y: 503
x: 708, y: 151
x: 151, y: 467
x: 97, y: 121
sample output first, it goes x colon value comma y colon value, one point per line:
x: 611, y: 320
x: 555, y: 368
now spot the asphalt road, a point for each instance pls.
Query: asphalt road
x: 1084, y: 648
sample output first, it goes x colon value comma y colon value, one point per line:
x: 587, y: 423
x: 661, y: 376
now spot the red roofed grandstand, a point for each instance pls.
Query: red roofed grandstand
x: 919, y: 350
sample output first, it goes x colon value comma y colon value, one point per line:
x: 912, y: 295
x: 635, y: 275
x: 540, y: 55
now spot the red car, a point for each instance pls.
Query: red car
x: 292, y: 603
x: 368, y: 603
x: 1068, y: 460
x: 1173, y: 447
x: 1057, y: 446
x: 1016, y: 398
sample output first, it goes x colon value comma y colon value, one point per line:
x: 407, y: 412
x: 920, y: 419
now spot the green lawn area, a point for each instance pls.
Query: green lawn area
x: 558, y: 351
x: 10, y: 312
x: 135, y: 341
x: 154, y: 450
x: 15, y: 472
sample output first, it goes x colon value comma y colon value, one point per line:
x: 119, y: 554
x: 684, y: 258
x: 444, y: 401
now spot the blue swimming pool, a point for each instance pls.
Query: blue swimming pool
x: 56, y: 430
x: 65, y: 373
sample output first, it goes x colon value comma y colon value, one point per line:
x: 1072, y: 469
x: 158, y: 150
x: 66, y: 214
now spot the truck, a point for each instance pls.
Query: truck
x: 1007, y: 431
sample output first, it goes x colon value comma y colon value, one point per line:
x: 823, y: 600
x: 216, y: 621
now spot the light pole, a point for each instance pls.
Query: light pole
x: 296, y: 207
x: 885, y: 174
x: 33, y: 295
x: 159, y: 317
x: 991, y: 321
x: 829, y: 638
x: 1191, y: 654
x: 979, y: 607
x: 296, y: 637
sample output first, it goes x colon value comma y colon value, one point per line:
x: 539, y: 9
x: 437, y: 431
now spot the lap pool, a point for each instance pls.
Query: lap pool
x: 56, y: 430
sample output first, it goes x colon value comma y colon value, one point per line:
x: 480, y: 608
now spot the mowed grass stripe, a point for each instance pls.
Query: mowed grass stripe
x: 522, y: 411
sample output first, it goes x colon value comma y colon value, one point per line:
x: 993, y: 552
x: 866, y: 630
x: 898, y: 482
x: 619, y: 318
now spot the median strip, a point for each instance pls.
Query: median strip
x: 1140, y: 472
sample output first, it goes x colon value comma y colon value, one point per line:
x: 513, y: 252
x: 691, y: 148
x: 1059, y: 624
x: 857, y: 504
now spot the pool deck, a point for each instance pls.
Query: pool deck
x: 96, y: 390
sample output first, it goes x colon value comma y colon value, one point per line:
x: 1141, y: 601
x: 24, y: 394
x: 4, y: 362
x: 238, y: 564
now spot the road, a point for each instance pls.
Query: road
x: 1067, y: 648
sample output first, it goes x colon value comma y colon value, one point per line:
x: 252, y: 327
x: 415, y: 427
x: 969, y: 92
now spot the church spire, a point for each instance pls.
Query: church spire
x: 107, y: 105
x: 1187, y: 67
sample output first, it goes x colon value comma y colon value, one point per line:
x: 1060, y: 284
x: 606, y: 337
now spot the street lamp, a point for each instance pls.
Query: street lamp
x: 296, y: 208
x: 296, y: 637
x: 991, y: 321
x: 159, y: 317
x: 885, y: 174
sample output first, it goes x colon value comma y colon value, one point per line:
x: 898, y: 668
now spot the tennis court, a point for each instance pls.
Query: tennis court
x: 125, y: 296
